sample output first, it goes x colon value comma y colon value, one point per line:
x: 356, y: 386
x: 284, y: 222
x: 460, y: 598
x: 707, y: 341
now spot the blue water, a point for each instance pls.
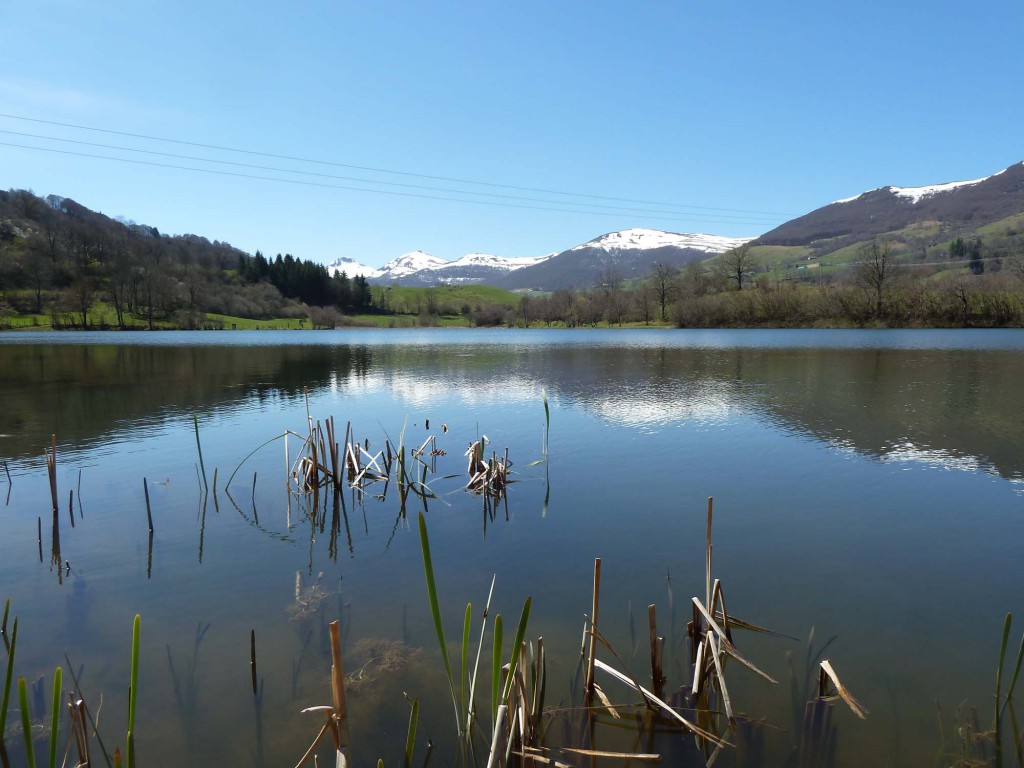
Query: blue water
x: 867, y: 484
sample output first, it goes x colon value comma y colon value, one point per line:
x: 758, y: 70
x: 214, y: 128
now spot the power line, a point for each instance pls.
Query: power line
x: 680, y: 217
x: 387, y: 170
x: 367, y: 181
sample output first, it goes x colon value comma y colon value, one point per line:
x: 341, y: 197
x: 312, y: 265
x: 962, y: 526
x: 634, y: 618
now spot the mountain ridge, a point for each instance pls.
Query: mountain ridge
x: 956, y: 204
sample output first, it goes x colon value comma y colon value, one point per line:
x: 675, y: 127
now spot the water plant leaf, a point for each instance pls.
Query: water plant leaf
x: 496, y: 666
x: 516, y: 646
x: 410, y: 737
x: 1016, y: 670
x: 26, y: 725
x: 467, y: 622
x: 55, y: 717
x: 471, y: 711
x: 133, y: 693
x: 8, y: 677
x: 435, y: 610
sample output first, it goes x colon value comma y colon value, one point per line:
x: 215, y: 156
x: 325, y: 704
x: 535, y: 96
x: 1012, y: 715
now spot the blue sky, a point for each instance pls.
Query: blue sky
x: 740, y: 114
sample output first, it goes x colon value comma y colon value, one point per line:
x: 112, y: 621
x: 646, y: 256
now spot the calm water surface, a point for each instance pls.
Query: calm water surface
x: 868, y: 485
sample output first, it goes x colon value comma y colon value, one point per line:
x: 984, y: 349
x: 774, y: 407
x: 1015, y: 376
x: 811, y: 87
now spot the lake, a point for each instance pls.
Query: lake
x: 868, y: 487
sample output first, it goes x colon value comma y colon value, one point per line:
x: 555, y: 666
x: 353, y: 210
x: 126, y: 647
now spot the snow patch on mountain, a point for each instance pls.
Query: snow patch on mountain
x: 646, y: 239
x: 848, y: 199
x: 493, y: 262
x: 917, y: 194
x: 408, y: 263
x: 351, y: 268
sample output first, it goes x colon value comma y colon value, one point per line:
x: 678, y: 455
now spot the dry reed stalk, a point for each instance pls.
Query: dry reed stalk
x: 707, y: 561
x: 51, y: 470
x: 496, y: 757
x: 252, y: 658
x: 589, y: 680
x: 649, y: 696
x: 532, y: 755
x: 727, y: 646
x: 149, y: 512
x: 826, y: 669
x: 716, y: 653
x: 333, y: 447
x: 657, y: 649
x: 340, y: 714
x: 616, y: 755
x: 79, y: 734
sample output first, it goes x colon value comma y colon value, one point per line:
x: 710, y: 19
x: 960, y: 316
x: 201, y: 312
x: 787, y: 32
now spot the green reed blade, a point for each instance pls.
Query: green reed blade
x: 8, y: 678
x: 465, y: 652
x: 496, y: 667
x: 1002, y: 650
x: 470, y: 713
x: 55, y: 717
x: 7, y: 610
x: 410, y: 738
x: 999, y: 675
x: 435, y: 612
x: 1016, y: 669
x: 133, y: 692
x: 26, y: 725
x: 516, y: 645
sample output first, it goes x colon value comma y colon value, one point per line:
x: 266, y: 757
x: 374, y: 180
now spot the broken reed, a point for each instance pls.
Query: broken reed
x: 487, y: 477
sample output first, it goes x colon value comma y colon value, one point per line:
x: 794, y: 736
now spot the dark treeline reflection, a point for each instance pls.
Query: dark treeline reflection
x: 947, y: 404
x: 84, y: 392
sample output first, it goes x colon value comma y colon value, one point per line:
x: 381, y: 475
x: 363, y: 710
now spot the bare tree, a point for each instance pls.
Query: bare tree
x: 662, y: 279
x: 737, y: 263
x: 875, y: 272
x: 643, y: 300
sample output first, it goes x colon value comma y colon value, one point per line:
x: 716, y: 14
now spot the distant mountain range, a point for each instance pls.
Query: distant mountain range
x: 624, y: 254
x: 919, y: 219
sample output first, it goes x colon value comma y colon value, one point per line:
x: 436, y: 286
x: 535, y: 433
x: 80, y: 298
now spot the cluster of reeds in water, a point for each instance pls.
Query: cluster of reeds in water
x: 510, y: 727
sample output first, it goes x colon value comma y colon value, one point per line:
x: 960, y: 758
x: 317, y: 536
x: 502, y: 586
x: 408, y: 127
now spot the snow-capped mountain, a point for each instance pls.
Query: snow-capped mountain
x: 351, y: 268
x: 408, y: 264
x: 959, y: 205
x: 422, y: 269
x: 473, y: 268
x: 647, y: 239
x: 628, y: 253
